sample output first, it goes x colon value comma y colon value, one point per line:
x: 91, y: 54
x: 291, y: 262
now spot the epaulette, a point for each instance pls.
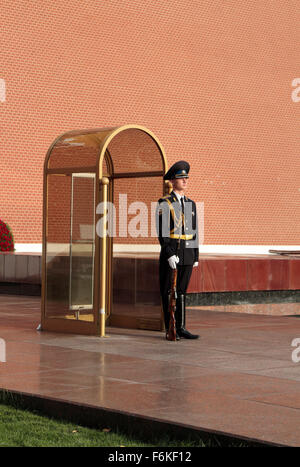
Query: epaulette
x: 165, y: 198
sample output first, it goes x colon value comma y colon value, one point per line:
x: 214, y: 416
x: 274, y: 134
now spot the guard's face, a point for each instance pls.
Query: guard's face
x: 179, y: 184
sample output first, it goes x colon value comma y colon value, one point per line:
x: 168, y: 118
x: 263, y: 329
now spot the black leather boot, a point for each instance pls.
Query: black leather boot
x: 180, y: 320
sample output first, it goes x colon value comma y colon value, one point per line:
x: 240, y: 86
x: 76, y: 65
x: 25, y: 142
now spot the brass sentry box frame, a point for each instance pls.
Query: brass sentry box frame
x: 80, y: 171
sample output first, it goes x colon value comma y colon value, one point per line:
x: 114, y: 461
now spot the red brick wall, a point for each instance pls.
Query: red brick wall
x: 212, y: 80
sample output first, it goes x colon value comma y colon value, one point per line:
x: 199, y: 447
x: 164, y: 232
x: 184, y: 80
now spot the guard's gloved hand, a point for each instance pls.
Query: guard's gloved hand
x: 195, y: 264
x: 173, y: 260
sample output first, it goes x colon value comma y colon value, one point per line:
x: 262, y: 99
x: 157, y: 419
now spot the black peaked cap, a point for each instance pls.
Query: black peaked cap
x: 178, y: 170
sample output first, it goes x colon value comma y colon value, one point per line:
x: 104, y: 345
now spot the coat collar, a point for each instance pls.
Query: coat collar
x: 174, y: 197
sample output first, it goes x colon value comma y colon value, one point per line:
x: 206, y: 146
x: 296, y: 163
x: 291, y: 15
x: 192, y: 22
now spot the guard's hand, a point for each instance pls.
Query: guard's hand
x: 195, y: 264
x: 173, y: 260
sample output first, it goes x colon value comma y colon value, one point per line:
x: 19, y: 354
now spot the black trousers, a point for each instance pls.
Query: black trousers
x: 165, y: 276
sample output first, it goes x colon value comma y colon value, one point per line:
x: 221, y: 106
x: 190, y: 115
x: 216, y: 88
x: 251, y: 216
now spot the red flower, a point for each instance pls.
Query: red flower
x: 6, y: 237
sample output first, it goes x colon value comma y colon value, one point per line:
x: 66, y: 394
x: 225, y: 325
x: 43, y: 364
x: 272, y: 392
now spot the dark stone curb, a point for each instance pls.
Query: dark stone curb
x: 139, y: 426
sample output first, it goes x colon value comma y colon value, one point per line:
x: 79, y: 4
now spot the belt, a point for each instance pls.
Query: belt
x: 181, y: 237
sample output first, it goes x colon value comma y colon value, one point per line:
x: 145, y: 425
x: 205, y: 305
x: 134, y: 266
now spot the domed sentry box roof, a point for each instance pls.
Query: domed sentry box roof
x: 99, y: 243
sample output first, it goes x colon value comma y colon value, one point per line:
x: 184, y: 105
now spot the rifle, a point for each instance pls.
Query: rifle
x: 171, y: 334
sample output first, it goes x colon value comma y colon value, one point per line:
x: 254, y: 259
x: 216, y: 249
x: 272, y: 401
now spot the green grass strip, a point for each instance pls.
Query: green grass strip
x: 23, y: 427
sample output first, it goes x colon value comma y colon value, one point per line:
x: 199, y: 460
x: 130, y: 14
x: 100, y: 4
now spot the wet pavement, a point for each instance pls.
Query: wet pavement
x: 239, y: 378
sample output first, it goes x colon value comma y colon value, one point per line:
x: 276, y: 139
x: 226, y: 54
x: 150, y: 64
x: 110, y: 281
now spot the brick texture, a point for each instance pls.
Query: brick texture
x: 212, y: 80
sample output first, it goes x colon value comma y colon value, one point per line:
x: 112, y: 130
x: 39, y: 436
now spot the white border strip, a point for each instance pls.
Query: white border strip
x: 28, y: 247
x: 204, y: 249
x: 244, y: 249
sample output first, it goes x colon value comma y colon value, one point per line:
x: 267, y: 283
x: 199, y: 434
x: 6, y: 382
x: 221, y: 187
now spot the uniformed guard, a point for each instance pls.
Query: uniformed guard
x: 178, y: 237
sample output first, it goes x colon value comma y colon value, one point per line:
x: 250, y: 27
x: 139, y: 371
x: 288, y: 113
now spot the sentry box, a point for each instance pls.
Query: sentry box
x: 99, y: 249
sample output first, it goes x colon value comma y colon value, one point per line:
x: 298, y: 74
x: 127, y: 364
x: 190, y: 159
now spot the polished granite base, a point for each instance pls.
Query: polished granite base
x: 218, y: 280
x: 243, y: 297
x: 215, y: 273
x: 19, y: 288
x: 238, y: 379
x: 237, y: 273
